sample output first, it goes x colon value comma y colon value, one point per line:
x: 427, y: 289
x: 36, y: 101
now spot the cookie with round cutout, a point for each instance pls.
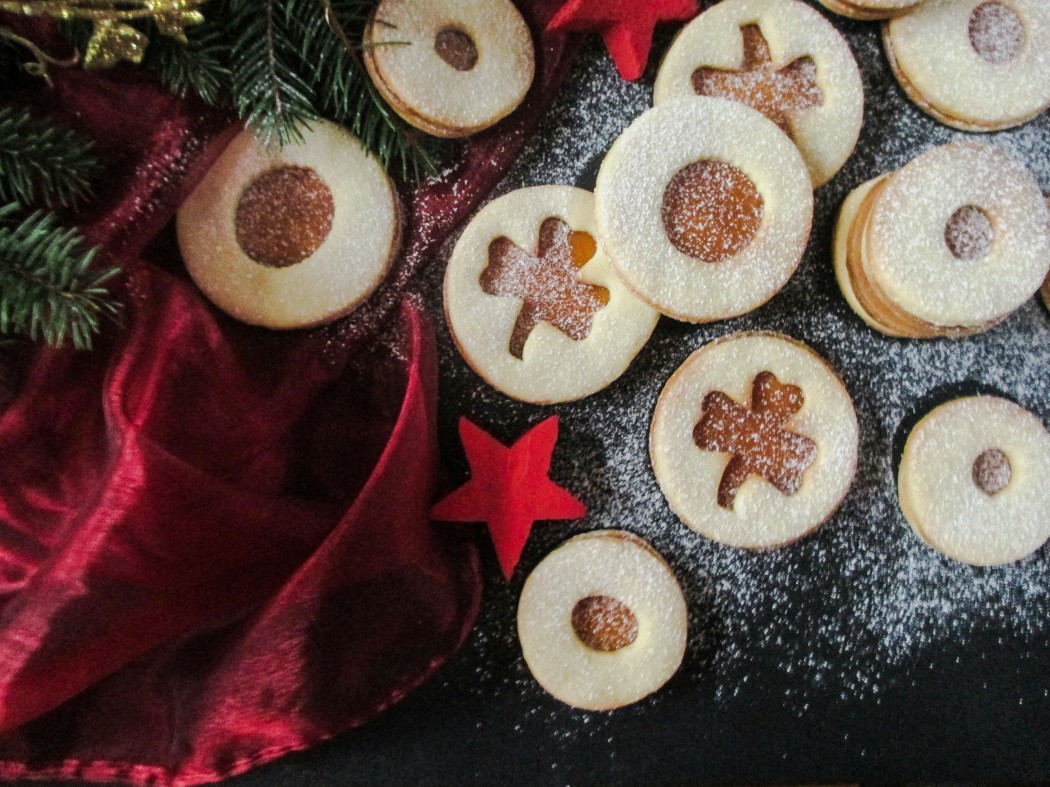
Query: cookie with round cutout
x: 602, y: 621
x: 974, y: 480
x: 450, y: 67
x: 975, y: 65
x: 291, y: 237
x: 700, y: 226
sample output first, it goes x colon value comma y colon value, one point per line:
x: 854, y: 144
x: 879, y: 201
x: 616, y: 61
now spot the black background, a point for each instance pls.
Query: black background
x: 857, y: 654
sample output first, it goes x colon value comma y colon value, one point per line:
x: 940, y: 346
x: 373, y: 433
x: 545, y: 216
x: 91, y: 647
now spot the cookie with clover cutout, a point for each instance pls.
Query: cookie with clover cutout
x: 974, y: 480
x: 782, y: 58
x: 975, y: 65
x: 754, y: 440
x: 532, y: 302
x: 450, y: 67
x: 602, y: 621
x: 291, y: 237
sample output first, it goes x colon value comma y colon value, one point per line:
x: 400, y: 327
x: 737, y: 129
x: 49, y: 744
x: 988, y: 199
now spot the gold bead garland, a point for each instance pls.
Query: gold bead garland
x: 113, y: 39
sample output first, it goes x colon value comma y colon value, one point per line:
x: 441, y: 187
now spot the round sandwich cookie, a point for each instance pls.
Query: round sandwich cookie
x: 291, y: 237
x: 781, y: 58
x: 974, y: 480
x: 869, y: 10
x: 602, y: 621
x: 976, y: 65
x: 534, y: 305
x: 699, y: 225
x: 754, y: 440
x: 949, y: 245
x: 450, y: 67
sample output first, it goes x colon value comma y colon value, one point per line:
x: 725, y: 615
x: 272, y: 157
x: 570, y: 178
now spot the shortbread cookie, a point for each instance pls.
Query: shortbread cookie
x: 450, y: 67
x: 754, y: 440
x: 949, y: 245
x: 869, y: 10
x: 782, y: 58
x: 977, y: 65
x: 698, y: 224
x: 291, y: 237
x: 974, y: 480
x: 533, y: 303
x: 602, y: 621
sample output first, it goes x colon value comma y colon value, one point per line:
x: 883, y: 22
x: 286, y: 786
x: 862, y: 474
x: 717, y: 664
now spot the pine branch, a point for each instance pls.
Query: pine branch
x: 199, y: 66
x: 269, y: 91
x: 41, y: 163
x: 347, y: 95
x: 48, y: 287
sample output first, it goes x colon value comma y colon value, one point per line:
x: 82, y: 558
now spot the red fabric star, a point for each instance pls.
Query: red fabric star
x: 626, y: 26
x: 509, y: 488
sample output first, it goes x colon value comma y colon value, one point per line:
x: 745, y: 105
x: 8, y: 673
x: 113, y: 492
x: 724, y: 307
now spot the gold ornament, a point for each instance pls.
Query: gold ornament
x: 113, y: 39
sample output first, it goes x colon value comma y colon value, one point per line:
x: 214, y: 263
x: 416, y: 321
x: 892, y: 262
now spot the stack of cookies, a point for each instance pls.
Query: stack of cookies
x: 949, y: 245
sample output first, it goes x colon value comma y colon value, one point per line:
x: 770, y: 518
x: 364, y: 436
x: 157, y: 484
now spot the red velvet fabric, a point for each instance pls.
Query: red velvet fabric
x: 214, y: 539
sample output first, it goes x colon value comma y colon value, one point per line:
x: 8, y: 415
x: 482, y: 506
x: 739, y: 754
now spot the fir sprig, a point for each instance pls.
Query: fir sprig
x: 200, y: 65
x: 41, y: 163
x: 267, y: 82
x: 283, y: 63
x: 49, y: 286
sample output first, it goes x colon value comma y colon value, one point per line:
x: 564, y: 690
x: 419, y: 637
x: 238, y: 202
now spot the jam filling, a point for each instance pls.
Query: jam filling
x: 456, y: 48
x: 547, y: 282
x: 996, y: 32
x: 711, y: 210
x: 991, y: 471
x: 968, y: 233
x: 756, y: 437
x: 777, y: 93
x: 283, y: 216
x: 602, y: 623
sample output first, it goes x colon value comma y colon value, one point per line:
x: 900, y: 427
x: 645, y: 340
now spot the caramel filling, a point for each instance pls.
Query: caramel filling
x: 456, y: 48
x: 756, y: 437
x: 284, y: 216
x: 776, y: 93
x: 711, y: 210
x: 603, y: 623
x: 968, y: 233
x: 547, y: 282
x: 991, y: 471
x: 996, y: 32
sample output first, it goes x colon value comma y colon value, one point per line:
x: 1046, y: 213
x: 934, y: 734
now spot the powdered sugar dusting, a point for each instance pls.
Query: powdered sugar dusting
x: 843, y: 612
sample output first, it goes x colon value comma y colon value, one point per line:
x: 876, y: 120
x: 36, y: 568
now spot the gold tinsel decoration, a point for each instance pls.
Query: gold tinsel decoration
x: 113, y: 39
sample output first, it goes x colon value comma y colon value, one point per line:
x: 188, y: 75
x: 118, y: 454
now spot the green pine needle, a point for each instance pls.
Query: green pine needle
x: 41, y: 163
x: 269, y: 92
x: 48, y: 286
x: 199, y: 66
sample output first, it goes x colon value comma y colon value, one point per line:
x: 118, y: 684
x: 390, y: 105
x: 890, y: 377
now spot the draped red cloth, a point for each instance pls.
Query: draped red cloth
x: 214, y: 539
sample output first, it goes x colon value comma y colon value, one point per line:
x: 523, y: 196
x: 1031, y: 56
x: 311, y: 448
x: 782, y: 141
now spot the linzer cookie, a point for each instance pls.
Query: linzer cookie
x: 291, y: 237
x: 534, y: 305
x: 977, y: 65
x: 754, y: 440
x: 450, y: 67
x: 868, y: 10
x: 949, y: 245
x: 602, y: 621
x: 974, y: 480
x: 782, y: 58
x: 704, y: 207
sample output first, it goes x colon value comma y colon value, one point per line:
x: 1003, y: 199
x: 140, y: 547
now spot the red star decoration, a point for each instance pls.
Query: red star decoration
x: 509, y: 488
x: 626, y: 26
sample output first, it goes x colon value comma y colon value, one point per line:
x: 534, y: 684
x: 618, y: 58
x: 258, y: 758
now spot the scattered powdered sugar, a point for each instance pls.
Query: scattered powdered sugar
x: 844, y: 612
